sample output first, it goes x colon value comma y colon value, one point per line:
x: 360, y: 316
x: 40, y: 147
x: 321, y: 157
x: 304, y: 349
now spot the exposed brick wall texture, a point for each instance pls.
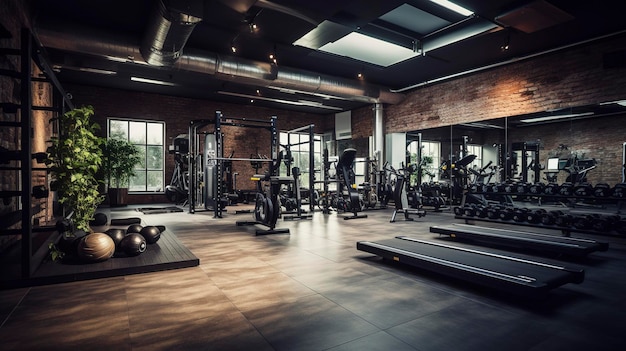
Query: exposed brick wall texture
x: 562, y: 79
x: 570, y: 78
x: 177, y: 113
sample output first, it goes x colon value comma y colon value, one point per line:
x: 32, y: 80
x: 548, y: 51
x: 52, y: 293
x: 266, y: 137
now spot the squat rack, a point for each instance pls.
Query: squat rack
x: 217, y: 159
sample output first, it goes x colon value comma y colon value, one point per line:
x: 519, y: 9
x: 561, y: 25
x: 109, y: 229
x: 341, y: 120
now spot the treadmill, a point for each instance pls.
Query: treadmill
x: 508, y: 274
x: 520, y: 239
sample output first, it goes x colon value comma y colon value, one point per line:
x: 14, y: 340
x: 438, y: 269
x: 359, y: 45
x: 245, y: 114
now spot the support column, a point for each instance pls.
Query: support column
x: 379, y: 140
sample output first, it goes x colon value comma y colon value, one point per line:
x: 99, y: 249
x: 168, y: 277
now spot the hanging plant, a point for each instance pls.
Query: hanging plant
x: 75, y: 157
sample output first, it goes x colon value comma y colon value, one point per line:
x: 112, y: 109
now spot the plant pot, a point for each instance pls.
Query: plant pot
x: 117, y: 197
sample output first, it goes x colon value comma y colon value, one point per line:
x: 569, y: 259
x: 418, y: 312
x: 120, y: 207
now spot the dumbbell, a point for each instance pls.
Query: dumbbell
x: 493, y: 212
x: 535, y: 216
x: 583, y: 190
x: 619, y: 191
x: 470, y: 210
x: 604, y: 223
x: 566, y: 189
x: 510, y: 188
x: 522, y: 188
x: 549, y: 218
x: 536, y: 189
x: 506, y: 213
x: 564, y: 220
x: 519, y: 214
x: 551, y: 189
x: 601, y: 190
x: 481, y: 211
x: 583, y: 221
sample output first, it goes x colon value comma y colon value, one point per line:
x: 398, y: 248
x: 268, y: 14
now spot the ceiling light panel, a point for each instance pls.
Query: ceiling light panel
x: 364, y: 48
x: 414, y: 19
x: 454, y: 7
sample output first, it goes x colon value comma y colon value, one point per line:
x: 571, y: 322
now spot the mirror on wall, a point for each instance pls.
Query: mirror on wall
x: 578, y: 144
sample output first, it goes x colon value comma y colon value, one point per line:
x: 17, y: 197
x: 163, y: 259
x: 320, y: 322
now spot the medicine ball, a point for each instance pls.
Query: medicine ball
x: 151, y: 233
x: 96, y: 247
x: 134, y: 228
x: 116, y: 234
x: 133, y: 244
x: 99, y: 219
x: 68, y: 242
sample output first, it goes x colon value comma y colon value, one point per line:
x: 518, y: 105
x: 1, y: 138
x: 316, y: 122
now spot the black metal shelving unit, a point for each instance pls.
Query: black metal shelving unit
x: 21, y: 221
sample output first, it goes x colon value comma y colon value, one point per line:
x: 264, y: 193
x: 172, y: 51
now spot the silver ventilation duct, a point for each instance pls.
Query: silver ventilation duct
x: 121, y: 49
x: 167, y: 34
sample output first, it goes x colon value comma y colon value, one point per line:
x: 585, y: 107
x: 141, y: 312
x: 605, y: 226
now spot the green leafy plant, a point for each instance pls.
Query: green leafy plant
x: 55, y: 253
x: 120, y: 158
x: 75, y: 157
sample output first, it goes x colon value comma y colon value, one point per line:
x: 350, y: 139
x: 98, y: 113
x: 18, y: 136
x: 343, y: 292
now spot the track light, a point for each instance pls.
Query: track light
x: 253, y: 27
x: 505, y: 45
x: 233, y: 45
x: 273, y: 56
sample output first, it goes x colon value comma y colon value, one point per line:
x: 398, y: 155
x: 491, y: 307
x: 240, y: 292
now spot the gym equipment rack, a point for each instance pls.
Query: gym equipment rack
x: 215, y: 194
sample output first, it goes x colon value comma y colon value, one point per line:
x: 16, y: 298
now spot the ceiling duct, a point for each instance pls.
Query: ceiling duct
x: 168, y: 31
x: 122, y: 49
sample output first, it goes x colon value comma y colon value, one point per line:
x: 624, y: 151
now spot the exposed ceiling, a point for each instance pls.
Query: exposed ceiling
x: 106, y: 42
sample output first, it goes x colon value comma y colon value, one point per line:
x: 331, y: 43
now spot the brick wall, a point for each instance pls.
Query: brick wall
x: 177, y: 112
x: 562, y: 79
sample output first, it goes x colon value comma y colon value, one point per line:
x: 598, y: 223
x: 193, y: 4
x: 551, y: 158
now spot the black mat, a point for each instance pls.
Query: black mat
x: 155, y: 210
x: 167, y: 253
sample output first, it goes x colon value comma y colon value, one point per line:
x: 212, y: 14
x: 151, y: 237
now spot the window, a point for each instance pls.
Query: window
x: 300, y: 151
x: 478, y: 151
x: 148, y: 136
x: 430, y: 149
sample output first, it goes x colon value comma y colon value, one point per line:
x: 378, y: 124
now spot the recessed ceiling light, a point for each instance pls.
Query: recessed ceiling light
x: 454, y: 7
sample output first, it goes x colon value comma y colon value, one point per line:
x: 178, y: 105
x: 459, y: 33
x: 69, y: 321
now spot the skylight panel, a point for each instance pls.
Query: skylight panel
x: 364, y: 48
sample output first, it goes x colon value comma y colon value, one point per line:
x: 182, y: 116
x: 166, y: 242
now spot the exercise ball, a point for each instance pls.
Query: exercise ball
x: 134, y: 228
x: 133, y: 244
x: 99, y: 219
x: 151, y: 233
x: 96, y: 247
x: 116, y: 234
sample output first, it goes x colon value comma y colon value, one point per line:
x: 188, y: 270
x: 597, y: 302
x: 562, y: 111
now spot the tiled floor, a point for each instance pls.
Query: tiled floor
x: 311, y: 290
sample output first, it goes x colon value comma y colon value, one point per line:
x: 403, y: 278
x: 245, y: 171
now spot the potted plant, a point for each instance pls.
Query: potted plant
x: 74, y: 158
x: 120, y: 158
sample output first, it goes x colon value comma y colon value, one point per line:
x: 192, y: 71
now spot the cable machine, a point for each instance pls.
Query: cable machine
x: 206, y: 169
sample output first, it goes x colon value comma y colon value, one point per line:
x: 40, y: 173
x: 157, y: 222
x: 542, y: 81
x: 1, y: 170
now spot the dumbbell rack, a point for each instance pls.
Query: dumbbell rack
x: 22, y: 222
x: 566, y: 230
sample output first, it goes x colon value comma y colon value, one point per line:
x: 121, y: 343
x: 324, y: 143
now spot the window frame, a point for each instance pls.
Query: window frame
x: 145, y: 170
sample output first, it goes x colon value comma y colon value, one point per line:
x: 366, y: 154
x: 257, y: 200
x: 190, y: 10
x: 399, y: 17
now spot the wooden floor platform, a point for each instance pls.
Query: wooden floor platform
x: 167, y: 253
